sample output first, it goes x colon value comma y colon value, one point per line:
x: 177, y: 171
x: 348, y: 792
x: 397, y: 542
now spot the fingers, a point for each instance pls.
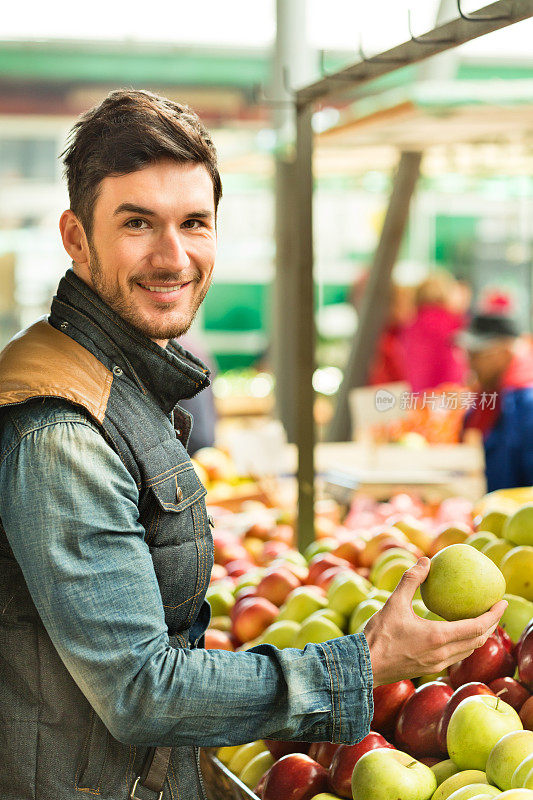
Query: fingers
x: 478, y: 626
x: 412, y: 578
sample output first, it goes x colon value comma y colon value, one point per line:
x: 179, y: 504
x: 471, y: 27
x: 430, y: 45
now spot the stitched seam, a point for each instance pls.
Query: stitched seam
x: 175, y: 779
x: 109, y: 339
x: 153, y: 482
x: 338, y: 684
x: 117, y: 322
x: 203, y: 541
x: 9, y: 449
x: 199, y: 577
x: 332, y: 690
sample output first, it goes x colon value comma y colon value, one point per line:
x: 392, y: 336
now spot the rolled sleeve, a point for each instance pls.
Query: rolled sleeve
x: 70, y: 511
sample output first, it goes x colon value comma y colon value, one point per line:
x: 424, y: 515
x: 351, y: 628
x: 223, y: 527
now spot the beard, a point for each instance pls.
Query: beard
x: 161, y: 322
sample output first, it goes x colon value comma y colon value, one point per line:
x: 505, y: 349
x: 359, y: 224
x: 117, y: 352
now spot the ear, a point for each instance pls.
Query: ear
x: 74, y: 239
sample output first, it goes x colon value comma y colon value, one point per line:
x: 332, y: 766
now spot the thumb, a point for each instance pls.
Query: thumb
x: 413, y: 577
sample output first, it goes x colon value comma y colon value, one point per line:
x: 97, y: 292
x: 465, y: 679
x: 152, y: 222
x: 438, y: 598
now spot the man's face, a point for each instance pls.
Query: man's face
x: 153, y: 246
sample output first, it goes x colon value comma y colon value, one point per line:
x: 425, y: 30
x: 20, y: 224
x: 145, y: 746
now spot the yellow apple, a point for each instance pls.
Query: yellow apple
x: 462, y: 582
x: 519, y: 527
x: 517, y: 569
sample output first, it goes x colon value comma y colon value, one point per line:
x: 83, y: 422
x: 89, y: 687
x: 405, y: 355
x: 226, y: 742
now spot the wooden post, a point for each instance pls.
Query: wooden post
x: 375, y: 301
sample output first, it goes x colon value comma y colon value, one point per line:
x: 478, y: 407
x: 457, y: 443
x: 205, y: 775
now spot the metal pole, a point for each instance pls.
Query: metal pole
x: 375, y: 300
x: 293, y: 61
x: 304, y: 325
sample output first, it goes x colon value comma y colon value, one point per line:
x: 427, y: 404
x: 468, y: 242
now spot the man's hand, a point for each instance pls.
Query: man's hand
x: 402, y: 645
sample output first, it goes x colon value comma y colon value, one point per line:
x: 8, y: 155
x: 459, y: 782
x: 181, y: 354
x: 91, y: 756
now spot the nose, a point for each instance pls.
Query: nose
x: 170, y: 251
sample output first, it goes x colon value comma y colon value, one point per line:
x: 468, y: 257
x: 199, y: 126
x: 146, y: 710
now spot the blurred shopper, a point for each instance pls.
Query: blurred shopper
x: 388, y: 364
x: 432, y: 354
x: 201, y: 406
x: 502, y: 410
x: 106, y: 548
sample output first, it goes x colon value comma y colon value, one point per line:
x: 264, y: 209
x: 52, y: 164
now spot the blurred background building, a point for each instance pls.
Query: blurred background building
x: 473, y: 117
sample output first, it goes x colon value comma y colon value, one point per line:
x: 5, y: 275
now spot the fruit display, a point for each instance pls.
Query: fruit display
x: 465, y: 731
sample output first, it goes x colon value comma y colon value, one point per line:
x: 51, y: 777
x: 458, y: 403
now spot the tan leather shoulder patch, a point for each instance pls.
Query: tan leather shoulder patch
x: 43, y: 362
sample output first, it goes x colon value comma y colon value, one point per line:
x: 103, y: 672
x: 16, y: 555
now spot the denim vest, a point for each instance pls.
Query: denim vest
x: 137, y: 415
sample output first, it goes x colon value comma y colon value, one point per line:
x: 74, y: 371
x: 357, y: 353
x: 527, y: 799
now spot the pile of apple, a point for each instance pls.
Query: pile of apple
x: 264, y: 591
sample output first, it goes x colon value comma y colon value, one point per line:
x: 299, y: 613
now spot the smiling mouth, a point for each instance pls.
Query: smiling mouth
x: 164, y: 292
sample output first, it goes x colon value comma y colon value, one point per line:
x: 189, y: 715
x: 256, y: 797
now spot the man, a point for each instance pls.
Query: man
x: 503, y: 408
x: 106, y: 547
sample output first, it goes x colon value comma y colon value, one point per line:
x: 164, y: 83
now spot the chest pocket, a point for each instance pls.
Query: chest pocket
x: 180, y: 542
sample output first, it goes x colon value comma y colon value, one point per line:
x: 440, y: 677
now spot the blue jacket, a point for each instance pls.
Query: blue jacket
x: 105, y: 556
x: 509, y: 444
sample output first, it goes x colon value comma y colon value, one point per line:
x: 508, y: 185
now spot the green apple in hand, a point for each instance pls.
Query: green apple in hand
x: 386, y: 774
x: 475, y: 726
x: 462, y: 582
x: 457, y: 781
x: 507, y: 755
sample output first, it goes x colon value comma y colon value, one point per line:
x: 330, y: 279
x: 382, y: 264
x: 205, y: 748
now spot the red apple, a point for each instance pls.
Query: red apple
x: 242, y: 597
x: 323, y: 561
x: 388, y: 701
x: 468, y: 690
x: 490, y: 661
x: 524, y: 651
x: 416, y: 727
x: 280, y: 747
x: 258, y: 790
x: 323, y: 752
x: 273, y: 550
x: 276, y: 585
x: 295, y: 777
x: 345, y: 759
x: 506, y: 639
x: 238, y: 567
x: 351, y: 550
x: 217, y: 640
x: 511, y: 691
x: 430, y: 761
x: 526, y: 714
x: 252, y: 617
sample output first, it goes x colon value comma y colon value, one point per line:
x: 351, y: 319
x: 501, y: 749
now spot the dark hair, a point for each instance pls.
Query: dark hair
x: 127, y: 131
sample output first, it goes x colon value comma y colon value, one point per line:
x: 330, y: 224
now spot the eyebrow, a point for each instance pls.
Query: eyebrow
x: 132, y: 208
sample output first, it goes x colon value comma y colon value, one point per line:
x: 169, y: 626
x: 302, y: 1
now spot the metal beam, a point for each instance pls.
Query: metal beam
x: 304, y: 325
x: 375, y: 300
x: 443, y: 37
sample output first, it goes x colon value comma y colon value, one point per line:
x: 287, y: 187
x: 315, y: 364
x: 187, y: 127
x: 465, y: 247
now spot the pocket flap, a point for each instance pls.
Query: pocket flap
x: 178, y: 490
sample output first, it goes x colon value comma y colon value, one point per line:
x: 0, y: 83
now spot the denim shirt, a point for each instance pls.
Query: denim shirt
x: 70, y: 510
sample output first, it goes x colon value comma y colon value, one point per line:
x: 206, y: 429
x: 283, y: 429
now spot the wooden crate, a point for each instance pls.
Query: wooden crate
x: 219, y: 782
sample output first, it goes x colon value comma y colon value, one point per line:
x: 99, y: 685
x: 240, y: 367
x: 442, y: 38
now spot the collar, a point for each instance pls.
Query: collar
x: 169, y: 375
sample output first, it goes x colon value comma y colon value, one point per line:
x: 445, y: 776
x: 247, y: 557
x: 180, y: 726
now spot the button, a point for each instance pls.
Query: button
x: 179, y: 494
x: 117, y: 371
x: 178, y: 432
x: 211, y: 521
x: 64, y: 326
